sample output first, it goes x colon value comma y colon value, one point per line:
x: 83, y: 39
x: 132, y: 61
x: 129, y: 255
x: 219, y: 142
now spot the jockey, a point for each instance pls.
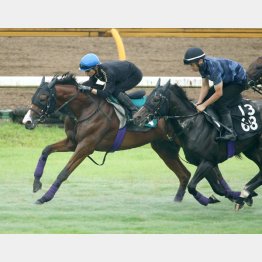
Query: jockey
x: 229, y: 80
x: 118, y: 76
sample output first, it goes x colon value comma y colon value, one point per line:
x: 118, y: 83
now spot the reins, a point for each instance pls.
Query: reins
x: 87, y: 118
x: 67, y: 102
x: 104, y: 159
x: 255, y: 86
x: 178, y: 117
x: 174, y: 116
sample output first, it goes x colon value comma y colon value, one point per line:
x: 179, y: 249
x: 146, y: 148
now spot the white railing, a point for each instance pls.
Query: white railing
x: 147, y: 81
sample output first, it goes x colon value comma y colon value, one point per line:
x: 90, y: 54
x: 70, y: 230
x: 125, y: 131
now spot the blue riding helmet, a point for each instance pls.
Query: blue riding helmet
x: 88, y: 61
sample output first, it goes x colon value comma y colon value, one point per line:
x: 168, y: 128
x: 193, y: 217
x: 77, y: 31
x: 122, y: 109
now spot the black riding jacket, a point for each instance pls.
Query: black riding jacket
x: 118, y: 76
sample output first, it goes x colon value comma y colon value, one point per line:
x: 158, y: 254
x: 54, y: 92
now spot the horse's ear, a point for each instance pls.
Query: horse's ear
x: 167, y: 84
x: 43, y: 80
x: 158, y: 83
x: 53, y: 81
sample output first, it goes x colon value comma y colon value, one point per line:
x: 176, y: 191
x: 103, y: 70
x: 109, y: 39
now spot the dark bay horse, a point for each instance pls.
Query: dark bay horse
x: 197, y: 138
x: 92, y: 124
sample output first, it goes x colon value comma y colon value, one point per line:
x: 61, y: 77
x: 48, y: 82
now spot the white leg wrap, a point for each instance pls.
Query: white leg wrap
x: 244, y: 193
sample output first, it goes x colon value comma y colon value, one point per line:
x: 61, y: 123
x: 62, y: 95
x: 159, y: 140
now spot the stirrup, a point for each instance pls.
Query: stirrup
x: 228, y: 137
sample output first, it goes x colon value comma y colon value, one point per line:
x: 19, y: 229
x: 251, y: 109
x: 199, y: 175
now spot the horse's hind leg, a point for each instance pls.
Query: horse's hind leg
x: 168, y: 151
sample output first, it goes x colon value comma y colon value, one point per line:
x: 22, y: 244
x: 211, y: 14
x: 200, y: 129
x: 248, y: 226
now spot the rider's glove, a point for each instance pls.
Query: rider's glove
x: 84, y: 89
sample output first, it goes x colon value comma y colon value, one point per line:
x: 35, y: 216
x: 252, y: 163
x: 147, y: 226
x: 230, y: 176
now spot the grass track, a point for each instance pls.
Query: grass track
x: 132, y: 193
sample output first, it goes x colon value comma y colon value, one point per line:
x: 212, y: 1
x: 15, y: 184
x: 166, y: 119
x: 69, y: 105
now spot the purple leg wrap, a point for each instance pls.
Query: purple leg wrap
x: 202, y: 199
x: 233, y: 194
x: 50, y: 193
x: 40, y: 166
x: 229, y: 192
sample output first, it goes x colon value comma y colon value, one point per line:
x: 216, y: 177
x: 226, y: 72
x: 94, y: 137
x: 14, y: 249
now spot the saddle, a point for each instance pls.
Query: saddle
x: 138, y: 98
x: 246, y: 119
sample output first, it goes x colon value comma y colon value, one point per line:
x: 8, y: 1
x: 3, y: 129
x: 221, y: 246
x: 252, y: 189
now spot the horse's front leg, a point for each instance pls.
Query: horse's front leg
x: 204, y: 168
x: 65, y: 145
x: 82, y: 150
x: 220, y: 186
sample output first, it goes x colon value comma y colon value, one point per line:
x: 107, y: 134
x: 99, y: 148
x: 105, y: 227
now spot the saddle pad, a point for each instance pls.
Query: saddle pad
x: 246, y: 119
x: 120, y: 112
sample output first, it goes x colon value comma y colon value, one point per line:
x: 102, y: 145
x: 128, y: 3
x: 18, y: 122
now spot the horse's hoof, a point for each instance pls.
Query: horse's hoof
x: 178, y: 198
x: 38, y: 202
x: 249, y: 199
x: 239, y: 206
x: 37, y: 186
x: 213, y: 200
x: 240, y: 202
x: 254, y: 194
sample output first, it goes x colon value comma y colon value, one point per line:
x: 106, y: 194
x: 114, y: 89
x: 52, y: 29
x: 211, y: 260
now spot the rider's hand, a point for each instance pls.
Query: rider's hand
x: 84, y: 89
x: 201, y: 107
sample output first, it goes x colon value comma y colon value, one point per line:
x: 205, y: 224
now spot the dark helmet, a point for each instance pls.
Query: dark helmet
x: 192, y: 55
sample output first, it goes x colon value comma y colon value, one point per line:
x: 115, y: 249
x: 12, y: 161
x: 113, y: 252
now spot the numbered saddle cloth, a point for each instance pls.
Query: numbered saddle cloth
x: 246, y: 118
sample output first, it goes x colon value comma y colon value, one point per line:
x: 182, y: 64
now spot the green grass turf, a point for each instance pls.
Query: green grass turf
x: 132, y: 193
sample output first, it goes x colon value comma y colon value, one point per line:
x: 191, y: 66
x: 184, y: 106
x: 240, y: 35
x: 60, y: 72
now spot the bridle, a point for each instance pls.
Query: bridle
x: 49, y: 107
x: 154, y: 110
x: 256, y: 85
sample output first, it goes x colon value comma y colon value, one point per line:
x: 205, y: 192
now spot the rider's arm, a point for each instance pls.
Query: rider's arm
x: 203, y: 91
x: 90, y: 82
x: 218, y: 93
x: 109, y: 86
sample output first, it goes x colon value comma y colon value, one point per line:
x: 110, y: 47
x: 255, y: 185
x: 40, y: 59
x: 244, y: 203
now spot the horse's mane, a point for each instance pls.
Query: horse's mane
x: 66, y: 79
x: 181, y: 93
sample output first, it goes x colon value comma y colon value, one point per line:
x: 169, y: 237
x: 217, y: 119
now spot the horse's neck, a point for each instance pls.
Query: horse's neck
x: 82, y: 104
x: 65, y: 91
x: 185, y: 120
x: 180, y: 108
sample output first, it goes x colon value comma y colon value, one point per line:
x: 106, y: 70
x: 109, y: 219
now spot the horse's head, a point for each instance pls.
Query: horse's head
x: 254, y: 75
x: 43, y: 104
x: 156, y: 105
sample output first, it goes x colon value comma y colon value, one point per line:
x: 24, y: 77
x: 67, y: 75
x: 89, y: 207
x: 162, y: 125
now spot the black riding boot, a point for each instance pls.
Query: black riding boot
x: 227, y: 121
x: 126, y: 101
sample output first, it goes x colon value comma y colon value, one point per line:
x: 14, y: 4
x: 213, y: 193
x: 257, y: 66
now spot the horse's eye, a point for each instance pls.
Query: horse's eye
x: 156, y: 99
